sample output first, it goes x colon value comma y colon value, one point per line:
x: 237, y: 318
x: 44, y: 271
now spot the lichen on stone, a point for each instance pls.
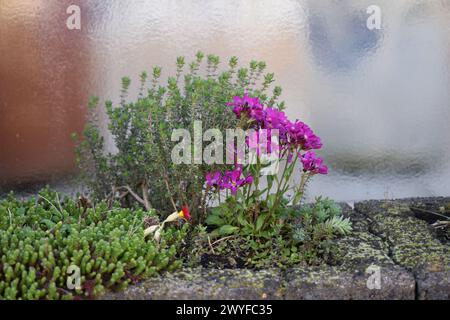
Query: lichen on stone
x: 413, y: 264
x: 412, y: 242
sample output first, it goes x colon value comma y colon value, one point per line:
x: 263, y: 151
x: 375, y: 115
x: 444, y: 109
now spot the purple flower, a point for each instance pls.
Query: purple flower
x: 251, y: 107
x: 213, y: 180
x: 300, y: 134
x: 249, y: 179
x: 262, y: 141
x: 232, y: 180
x: 292, y: 135
x: 312, y: 142
x: 313, y: 164
x: 275, y: 119
x: 256, y: 113
x: 253, y: 142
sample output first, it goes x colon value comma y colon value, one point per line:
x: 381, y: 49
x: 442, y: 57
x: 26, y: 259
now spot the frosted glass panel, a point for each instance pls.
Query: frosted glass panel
x: 380, y: 99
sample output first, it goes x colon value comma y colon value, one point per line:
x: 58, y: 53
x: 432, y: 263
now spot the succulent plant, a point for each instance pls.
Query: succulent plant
x: 42, y: 237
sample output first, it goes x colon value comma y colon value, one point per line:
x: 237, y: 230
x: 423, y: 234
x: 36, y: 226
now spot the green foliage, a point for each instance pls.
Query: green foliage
x: 244, y: 218
x: 41, y: 237
x: 141, y: 170
x: 292, y: 236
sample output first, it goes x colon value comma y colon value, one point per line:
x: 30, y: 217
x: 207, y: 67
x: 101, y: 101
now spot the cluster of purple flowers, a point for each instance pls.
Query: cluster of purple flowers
x: 293, y: 134
x: 250, y: 107
x: 231, y: 180
x: 294, y: 137
x: 313, y: 164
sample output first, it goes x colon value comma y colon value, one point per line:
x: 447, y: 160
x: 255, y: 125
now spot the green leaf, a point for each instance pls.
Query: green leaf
x: 270, y: 182
x: 260, y: 221
x: 227, y: 230
x: 298, y: 197
x: 242, y: 221
x: 215, y: 219
x: 271, y: 200
x: 254, y: 170
x: 339, y: 225
x: 258, y: 193
x: 289, y: 170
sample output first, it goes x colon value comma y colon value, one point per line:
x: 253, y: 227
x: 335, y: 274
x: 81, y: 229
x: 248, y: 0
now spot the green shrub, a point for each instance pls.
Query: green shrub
x: 41, y: 237
x: 141, y: 170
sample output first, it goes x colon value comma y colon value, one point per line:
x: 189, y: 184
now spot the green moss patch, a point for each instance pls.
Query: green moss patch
x: 413, y: 243
x: 209, y: 284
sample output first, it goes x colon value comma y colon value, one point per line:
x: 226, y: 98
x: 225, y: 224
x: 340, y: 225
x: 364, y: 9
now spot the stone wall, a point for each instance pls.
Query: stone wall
x: 392, y: 254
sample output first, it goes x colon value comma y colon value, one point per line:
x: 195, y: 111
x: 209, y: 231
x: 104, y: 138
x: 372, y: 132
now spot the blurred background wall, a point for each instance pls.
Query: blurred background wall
x: 44, y: 72
x: 380, y: 99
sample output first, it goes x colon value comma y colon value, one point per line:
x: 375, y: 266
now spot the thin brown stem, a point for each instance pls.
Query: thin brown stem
x: 134, y: 194
x: 144, y: 187
x: 170, y: 194
x: 210, y: 245
x: 204, y: 201
x: 222, y: 239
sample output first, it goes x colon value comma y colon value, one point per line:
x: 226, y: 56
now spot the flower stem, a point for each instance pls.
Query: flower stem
x: 301, y: 189
x: 280, y: 192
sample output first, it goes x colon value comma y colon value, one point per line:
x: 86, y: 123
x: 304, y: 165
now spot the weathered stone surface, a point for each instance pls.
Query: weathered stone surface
x: 412, y: 261
x: 212, y: 284
x: 359, y: 221
x: 318, y: 283
x: 331, y: 283
x: 412, y: 242
x: 361, y: 249
x: 433, y: 285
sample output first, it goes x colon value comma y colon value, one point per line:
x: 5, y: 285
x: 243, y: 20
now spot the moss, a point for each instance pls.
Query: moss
x: 413, y: 243
x: 395, y: 208
x: 198, y: 283
x: 362, y: 248
x: 327, y: 283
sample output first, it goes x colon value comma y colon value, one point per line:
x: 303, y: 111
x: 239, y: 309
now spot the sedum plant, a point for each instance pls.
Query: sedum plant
x: 141, y: 170
x: 43, y: 239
